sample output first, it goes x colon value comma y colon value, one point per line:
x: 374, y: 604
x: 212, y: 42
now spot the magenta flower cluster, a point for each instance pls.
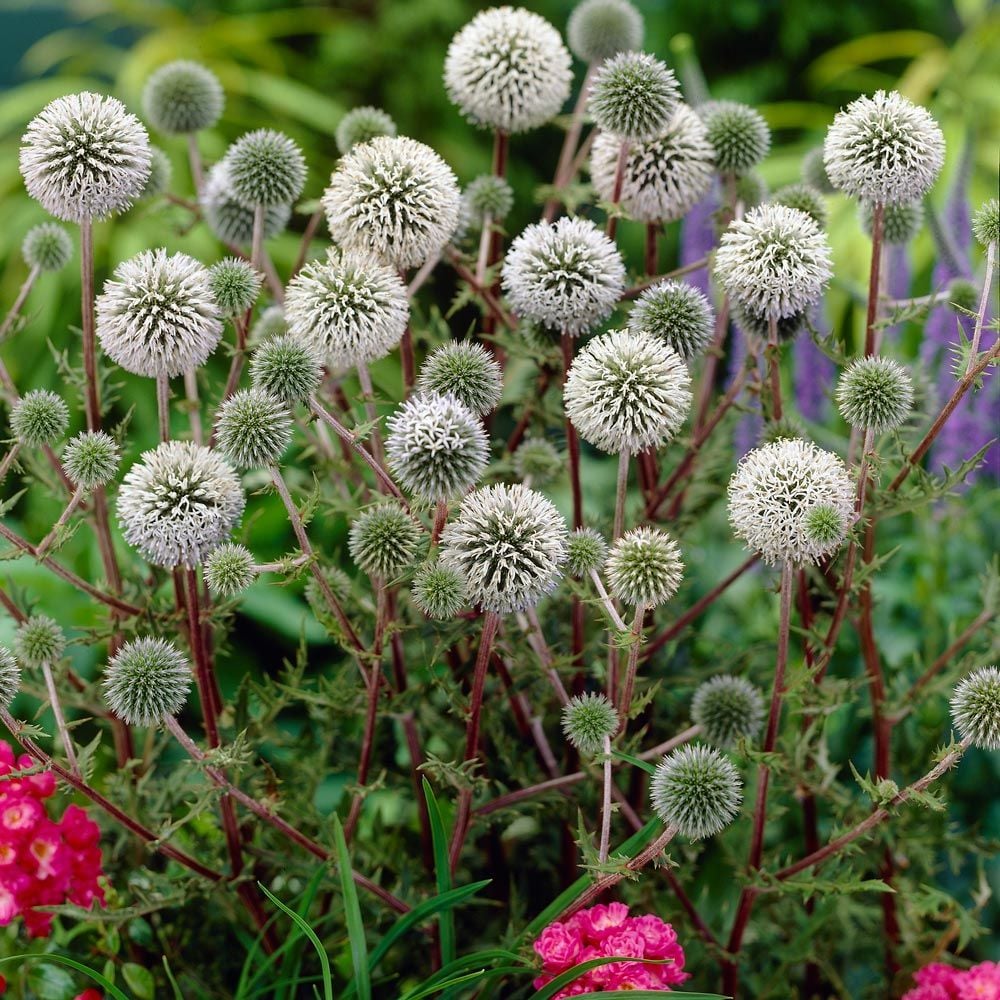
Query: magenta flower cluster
x: 943, y: 982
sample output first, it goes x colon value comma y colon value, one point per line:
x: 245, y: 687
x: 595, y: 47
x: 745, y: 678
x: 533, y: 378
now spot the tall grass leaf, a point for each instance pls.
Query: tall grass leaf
x: 105, y: 984
x: 352, y: 914
x: 324, y: 959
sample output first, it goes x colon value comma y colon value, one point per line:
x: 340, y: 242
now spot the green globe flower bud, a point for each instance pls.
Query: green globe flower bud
x: 39, y: 417
x: 728, y: 709
x: 633, y: 96
x: 539, y: 460
x: 286, y: 369
x: 235, y: 285
x: 10, y: 677
x: 788, y: 427
x: 875, y: 394
x: 253, y: 428
x: 986, y: 223
x: 900, y: 223
x: 265, y: 168
x: 438, y: 592
x: 738, y: 133
x: 466, y: 371
x: 360, y: 125
x: 975, y: 708
x: 47, y: 246
x: 806, y: 199
x: 161, y: 170
x: 91, y: 459
x: 814, y: 171
x: 384, y: 541
x: 38, y: 640
x: 645, y: 568
x: 270, y: 323
x: 697, y: 790
x: 147, y: 680
x: 677, y: 313
x: 183, y: 97
x: 587, y: 721
x: 231, y: 568
x: 600, y: 29
x: 586, y: 552
x: 487, y: 195
x: 963, y: 294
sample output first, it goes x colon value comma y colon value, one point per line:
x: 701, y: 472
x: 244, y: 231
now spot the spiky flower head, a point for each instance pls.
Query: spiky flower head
x: 178, y: 503
x: 508, y: 69
x: 509, y: 545
x: 348, y: 309
x: 394, y: 198
x: 697, y: 790
x: 384, y: 541
x: 235, y: 285
x: 91, y: 459
x: 975, y: 708
x: 10, y: 677
x: 600, y: 29
x: 900, y: 223
x: 85, y: 157
x: 568, y: 276
x: 183, y: 97
x: 814, y: 171
x: 728, y: 709
x: 231, y: 568
x: 159, y: 317
x: 738, y: 134
x: 963, y: 294
x: 488, y: 195
x: 270, y: 323
x: 361, y: 125
x: 665, y: 177
x: 678, y: 314
x: 775, y: 490
x: 752, y: 189
x: 231, y: 221
x: 539, y: 460
x: 586, y: 552
x: 147, y: 680
x: 884, y: 148
x: 633, y: 96
x: 775, y: 262
x: 875, y: 394
x: 286, y: 369
x: 757, y: 325
x: 47, y: 246
x: 986, y: 222
x: 38, y: 640
x: 627, y: 392
x: 439, y: 592
x: 587, y: 721
x: 465, y: 370
x: 645, y: 568
x: 806, y: 199
x: 823, y: 525
x: 265, y: 168
x: 161, y: 170
x: 253, y: 428
x: 39, y: 417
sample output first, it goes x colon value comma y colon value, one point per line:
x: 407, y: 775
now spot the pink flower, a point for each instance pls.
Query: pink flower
x: 20, y: 816
x: 11, y: 888
x: 633, y: 976
x: 48, y: 852
x: 601, y: 920
x: 981, y: 982
x: 558, y: 947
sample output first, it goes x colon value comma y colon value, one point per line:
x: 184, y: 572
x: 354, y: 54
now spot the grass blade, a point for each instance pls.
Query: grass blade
x: 324, y: 959
x: 352, y: 913
x: 442, y: 873
x: 105, y: 984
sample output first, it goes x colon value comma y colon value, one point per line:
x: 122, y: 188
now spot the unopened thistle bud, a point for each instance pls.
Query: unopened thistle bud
x: 360, y: 125
x: 254, y: 429
x: 465, y: 370
x: 728, y: 709
x: 286, y: 369
x: 738, y: 134
x: 230, y: 569
x: 235, y: 285
x: 633, y: 96
x: 600, y: 29
x: 488, y: 195
x: 678, y: 314
x: 698, y: 790
x: 586, y: 552
x: 875, y: 394
x: 645, y: 568
x: 91, y: 459
x: 539, y: 460
x: 47, y: 246
x: 900, y: 223
x: 183, y: 97
x: 265, y: 168
x: 806, y: 199
x: 439, y: 592
x: 147, y: 680
x: 986, y: 223
x: 587, y: 721
x: 10, y: 677
x: 39, y: 417
x: 38, y: 640
x: 975, y: 708
x: 384, y: 541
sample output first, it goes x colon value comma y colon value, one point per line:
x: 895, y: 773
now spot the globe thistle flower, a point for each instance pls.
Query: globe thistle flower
x: 439, y: 592
x: 823, y: 525
x: 728, y: 709
x: 85, y: 157
x: 537, y: 459
x: 394, y: 198
x: 91, y: 459
x: 465, y: 370
x: 587, y: 721
x: 627, y: 392
x: 633, y: 96
x: 900, y: 223
x: 509, y: 544
x: 159, y: 317
x: 231, y: 221
x: 586, y: 552
x: 875, y: 394
x: 10, y: 677
x: 963, y: 294
x: 436, y: 446
x: 806, y: 199
x: 665, y: 177
x: 752, y: 189
x: 235, y: 285
x: 772, y: 493
x: 600, y: 29
x: 179, y: 503
x: 488, y: 196
x: 230, y: 569
x: 146, y: 681
x: 338, y: 582
x: 738, y: 134
x: 884, y: 149
x: 265, y: 168
x: 270, y: 323
x: 975, y: 708
x: 38, y: 640
x: 253, y: 428
x: 789, y: 426
x: 645, y: 568
x: 508, y: 69
x: 39, y: 417
x: 676, y: 313
x: 697, y: 790
x: 286, y: 369
x: 384, y: 541
x: 775, y: 262
x: 347, y: 309
x: 183, y: 97
x: 47, y: 247
x: 567, y: 276
x: 986, y: 223
x: 161, y: 171
x: 814, y: 171
x: 361, y: 125
x: 757, y: 324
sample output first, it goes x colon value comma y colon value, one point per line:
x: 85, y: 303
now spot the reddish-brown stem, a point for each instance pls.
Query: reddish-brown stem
x: 570, y: 142
x: 15, y: 310
x: 257, y: 242
x: 616, y: 191
x: 91, y: 399
x: 774, y: 368
x: 239, y: 356
x: 307, y: 235
x: 637, y: 289
x: 497, y: 313
x: 878, y: 217
x: 984, y: 618
x: 572, y: 439
x: 521, y: 428
x: 163, y: 406
x: 621, y: 488
x: 631, y: 667
x: 711, y: 364
x: 57, y: 712
x: 652, y: 255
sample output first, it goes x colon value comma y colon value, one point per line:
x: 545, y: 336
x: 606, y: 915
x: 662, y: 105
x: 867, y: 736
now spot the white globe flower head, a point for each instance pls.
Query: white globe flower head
x: 85, y: 157
x: 884, y: 149
x: 568, y: 276
x: 179, y: 503
x: 776, y: 262
x: 159, y: 317
x: 627, y: 392
x: 394, y: 198
x: 231, y: 221
x: 508, y: 69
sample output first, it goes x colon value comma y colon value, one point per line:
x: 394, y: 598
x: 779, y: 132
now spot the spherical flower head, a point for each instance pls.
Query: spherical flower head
x: 47, y: 247
x: 823, y: 524
x: 567, y: 276
x: 678, y: 314
x: 231, y: 221
x: 161, y: 170
x: 773, y: 493
x: 488, y: 195
x: 508, y: 69
x: 587, y: 721
x: 586, y: 552
x: 975, y: 708
x: 465, y: 370
x: 146, y: 681
x: 697, y: 790
x: 394, y: 198
x: 758, y: 325
x: 963, y: 294
x: 85, y: 157
x: 253, y: 429
x: 806, y: 199
x: 39, y: 417
x: 875, y: 394
x: 361, y: 125
x: 884, y: 148
x: 539, y: 460
x: 384, y: 541
x: 91, y: 459
x: 436, y: 446
x: 439, y: 592
x: 270, y: 323
x: 900, y: 223
x: 645, y: 568
x: 752, y: 189
x: 265, y: 168
x: 38, y: 640
x: 986, y: 223
x: 600, y: 29
x: 633, y: 96
x: 179, y: 503
x: 665, y: 177
x: 814, y: 171
x: 738, y: 134
x: 728, y: 709
x: 286, y: 369
x: 509, y: 545
x: 349, y: 310
x: 158, y: 317
x: 627, y: 392
x: 235, y: 285
x: 183, y: 97
x: 10, y: 677
x: 774, y: 262
x: 230, y: 569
